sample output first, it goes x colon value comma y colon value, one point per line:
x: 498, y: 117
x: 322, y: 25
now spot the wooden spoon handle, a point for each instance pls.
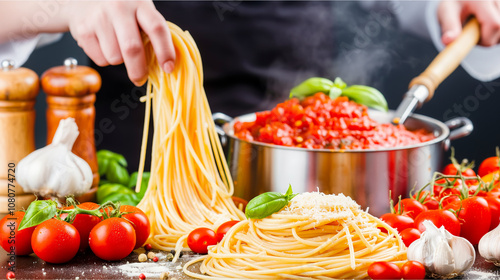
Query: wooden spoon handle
x: 449, y: 58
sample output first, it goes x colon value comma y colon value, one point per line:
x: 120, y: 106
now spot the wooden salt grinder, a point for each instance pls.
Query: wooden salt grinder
x: 18, y: 90
x: 71, y: 92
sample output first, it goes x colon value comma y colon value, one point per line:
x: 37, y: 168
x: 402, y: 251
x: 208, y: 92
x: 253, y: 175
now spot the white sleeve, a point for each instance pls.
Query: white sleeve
x: 19, y: 51
x: 420, y: 18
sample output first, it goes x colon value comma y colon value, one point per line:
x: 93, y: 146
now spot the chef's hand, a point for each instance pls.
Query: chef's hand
x: 109, y: 33
x: 452, y: 14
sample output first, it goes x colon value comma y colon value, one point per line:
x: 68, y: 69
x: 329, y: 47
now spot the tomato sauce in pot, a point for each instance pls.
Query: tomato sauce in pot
x: 318, y: 122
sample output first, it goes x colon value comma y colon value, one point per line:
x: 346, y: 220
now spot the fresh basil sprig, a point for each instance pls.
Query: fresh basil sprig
x: 38, y: 212
x: 268, y: 203
x: 360, y: 94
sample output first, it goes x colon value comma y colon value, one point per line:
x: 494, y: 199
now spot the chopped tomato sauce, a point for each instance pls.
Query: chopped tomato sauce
x: 318, y: 122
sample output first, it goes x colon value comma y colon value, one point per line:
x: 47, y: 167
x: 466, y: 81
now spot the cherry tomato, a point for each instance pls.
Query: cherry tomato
x: 474, y: 217
x: 411, y: 207
x: 409, y: 235
x: 451, y: 169
x: 224, y: 228
x: 430, y: 201
x: 20, y: 241
x: 439, y: 218
x: 399, y: 222
x: 449, y: 200
x: 55, y: 241
x: 199, y: 240
x: 488, y: 166
x: 413, y: 270
x: 384, y: 270
x: 445, y: 186
x: 494, y: 204
x: 112, y: 239
x: 84, y: 223
x: 139, y: 221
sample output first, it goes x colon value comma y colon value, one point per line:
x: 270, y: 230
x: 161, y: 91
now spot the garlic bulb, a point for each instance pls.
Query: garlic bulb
x: 443, y: 254
x: 54, y: 170
x: 489, y: 246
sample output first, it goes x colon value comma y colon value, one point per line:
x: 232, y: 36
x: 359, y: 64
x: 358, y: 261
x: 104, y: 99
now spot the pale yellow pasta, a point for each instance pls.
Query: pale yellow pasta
x: 190, y: 184
x: 316, y: 236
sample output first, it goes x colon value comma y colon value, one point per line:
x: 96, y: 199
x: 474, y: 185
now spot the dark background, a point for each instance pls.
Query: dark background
x: 368, y: 48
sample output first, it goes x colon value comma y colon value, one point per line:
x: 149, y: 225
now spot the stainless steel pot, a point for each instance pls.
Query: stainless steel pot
x: 365, y: 175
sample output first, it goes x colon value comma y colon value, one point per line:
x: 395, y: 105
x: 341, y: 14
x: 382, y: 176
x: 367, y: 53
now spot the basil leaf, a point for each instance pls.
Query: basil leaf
x: 335, y: 92
x: 38, y: 212
x: 310, y: 87
x: 265, y: 204
x: 338, y: 82
x: 367, y: 96
x: 116, y: 173
x: 102, y: 164
x: 113, y: 156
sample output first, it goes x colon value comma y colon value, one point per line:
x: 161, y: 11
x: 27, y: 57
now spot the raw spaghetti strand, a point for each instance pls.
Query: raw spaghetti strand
x: 316, y: 236
x: 190, y: 184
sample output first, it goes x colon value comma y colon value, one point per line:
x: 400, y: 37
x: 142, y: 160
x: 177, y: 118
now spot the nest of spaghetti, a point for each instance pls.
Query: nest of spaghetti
x: 316, y: 236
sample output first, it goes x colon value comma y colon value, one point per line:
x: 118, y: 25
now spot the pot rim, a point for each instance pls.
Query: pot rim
x: 440, y: 137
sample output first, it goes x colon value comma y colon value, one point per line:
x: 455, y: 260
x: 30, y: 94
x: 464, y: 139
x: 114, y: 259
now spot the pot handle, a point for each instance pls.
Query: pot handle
x: 459, y: 127
x: 220, y: 119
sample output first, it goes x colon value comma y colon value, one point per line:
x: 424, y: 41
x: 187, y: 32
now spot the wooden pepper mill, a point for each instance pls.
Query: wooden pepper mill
x: 18, y: 90
x: 71, y: 92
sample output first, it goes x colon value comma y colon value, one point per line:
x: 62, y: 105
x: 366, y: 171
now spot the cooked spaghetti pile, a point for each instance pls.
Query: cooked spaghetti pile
x: 316, y: 236
x: 190, y: 184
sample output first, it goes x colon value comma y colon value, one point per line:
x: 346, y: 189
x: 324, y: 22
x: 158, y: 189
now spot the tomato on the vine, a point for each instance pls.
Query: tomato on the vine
x: 474, y: 216
x: 409, y: 235
x: 139, y: 221
x: 55, y: 241
x: 488, y: 166
x: 224, y: 228
x: 494, y: 205
x: 112, y: 239
x: 411, y: 207
x: 399, y: 222
x: 384, y: 270
x: 429, y: 200
x: 413, y: 270
x: 21, y: 239
x: 199, y: 239
x: 84, y: 223
x: 439, y: 218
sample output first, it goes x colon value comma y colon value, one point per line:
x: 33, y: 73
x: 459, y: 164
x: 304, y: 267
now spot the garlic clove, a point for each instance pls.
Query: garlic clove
x: 443, y: 261
x: 463, y: 253
x: 489, y: 246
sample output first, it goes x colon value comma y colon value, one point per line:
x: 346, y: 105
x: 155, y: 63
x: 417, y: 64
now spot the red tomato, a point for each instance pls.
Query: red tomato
x: 384, y: 270
x: 474, y: 217
x: 409, y: 235
x: 139, y: 221
x: 55, y: 241
x: 494, y: 204
x: 199, y: 240
x: 399, y: 222
x: 488, y: 165
x: 112, y: 239
x: 84, y: 223
x: 413, y: 270
x: 21, y: 240
x: 411, y: 207
x: 224, y: 228
x: 449, y: 200
x: 430, y: 201
x: 439, y: 218
x: 451, y: 169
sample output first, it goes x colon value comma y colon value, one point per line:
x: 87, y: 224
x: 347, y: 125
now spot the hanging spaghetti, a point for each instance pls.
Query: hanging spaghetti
x: 190, y: 184
x: 316, y: 236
